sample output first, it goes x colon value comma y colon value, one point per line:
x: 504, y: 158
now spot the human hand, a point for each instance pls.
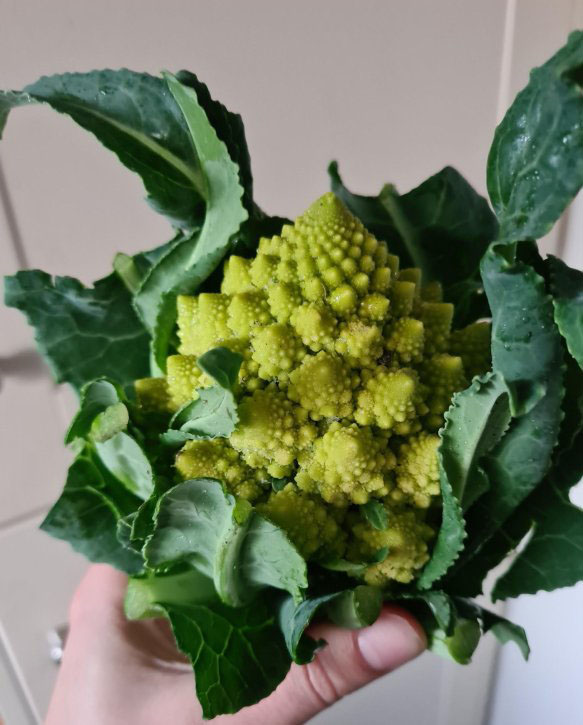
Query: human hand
x: 117, y: 672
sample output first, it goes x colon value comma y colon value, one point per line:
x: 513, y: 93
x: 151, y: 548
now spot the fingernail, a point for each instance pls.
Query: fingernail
x: 391, y: 641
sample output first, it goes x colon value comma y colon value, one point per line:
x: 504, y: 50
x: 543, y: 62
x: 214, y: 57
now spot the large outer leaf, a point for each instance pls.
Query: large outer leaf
x: 567, y: 288
x: 238, y: 653
x: 135, y: 116
x: 84, y: 333
x: 188, y: 263
x: 515, y: 467
x: 197, y: 522
x: 553, y: 557
x: 477, y: 419
x: 526, y: 347
x: 229, y: 128
x: 87, y: 513
x: 535, y: 165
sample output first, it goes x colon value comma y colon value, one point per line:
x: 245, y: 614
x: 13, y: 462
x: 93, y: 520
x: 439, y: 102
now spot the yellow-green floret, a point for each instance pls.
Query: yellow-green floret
x: 217, y: 459
x: 272, y: 431
x: 405, y: 542
x: 349, y: 363
x: 472, y: 344
x: 349, y: 463
x: 309, y: 523
x: 417, y: 474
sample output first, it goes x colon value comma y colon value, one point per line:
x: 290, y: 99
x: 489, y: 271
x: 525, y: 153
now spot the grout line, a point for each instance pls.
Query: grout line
x: 17, y: 242
x: 21, y: 689
x: 506, y: 62
x: 16, y: 523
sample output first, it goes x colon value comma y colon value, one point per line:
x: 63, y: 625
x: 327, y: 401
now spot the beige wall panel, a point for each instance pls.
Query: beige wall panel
x: 393, y: 90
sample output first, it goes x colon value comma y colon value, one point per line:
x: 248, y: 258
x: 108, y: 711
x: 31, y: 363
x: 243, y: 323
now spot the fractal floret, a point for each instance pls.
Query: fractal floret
x: 348, y: 365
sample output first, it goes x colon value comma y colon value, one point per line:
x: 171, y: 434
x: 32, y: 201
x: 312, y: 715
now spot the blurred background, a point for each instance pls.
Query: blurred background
x: 392, y: 90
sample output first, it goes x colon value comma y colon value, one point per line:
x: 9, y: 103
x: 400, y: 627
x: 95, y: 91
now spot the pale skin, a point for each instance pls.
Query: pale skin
x: 116, y: 672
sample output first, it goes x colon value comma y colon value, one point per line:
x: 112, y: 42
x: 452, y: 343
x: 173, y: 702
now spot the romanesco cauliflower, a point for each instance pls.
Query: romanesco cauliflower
x: 349, y: 365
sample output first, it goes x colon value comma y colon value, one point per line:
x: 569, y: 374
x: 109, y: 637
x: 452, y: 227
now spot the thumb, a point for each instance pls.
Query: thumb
x: 350, y: 660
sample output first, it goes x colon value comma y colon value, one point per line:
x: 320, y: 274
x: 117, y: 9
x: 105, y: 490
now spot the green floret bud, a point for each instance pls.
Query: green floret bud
x: 272, y: 431
x: 406, y: 338
x: 391, y: 400
x: 432, y: 292
x: 374, y: 307
x: 443, y: 375
x: 246, y: 311
x: 436, y: 318
x: 343, y: 300
x: 402, y: 298
x: 187, y: 309
x: 322, y: 385
x: 347, y: 464
x: 153, y: 396
x: 405, y: 539
x: 283, y: 298
x: 184, y: 377
x: 202, y: 322
x: 307, y: 521
x: 359, y: 344
x: 236, y: 277
x: 217, y: 459
x: 315, y: 325
x: 262, y: 270
x: 277, y: 350
x: 417, y: 472
x: 472, y: 344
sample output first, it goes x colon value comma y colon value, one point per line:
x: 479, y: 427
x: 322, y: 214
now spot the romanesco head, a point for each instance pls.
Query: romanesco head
x: 349, y: 364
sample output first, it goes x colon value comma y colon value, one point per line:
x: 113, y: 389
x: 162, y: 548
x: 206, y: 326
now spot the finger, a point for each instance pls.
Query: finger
x: 351, y: 659
x: 99, y: 596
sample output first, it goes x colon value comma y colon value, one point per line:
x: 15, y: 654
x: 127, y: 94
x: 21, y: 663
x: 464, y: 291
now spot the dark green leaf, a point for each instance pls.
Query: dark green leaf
x: 515, y: 467
x: 535, y: 165
x: 460, y: 645
x: 476, y: 421
x: 229, y: 128
x: 467, y: 579
x: 196, y: 522
x: 189, y: 262
x: 352, y: 608
x: 526, y: 347
x: 438, y: 602
x: 212, y: 415
x: 450, y: 539
x: 84, y: 333
x: 294, y: 619
x: 96, y: 397
x: 135, y: 116
x: 86, y: 516
x: 501, y: 628
x: 238, y: 654
x: 567, y: 288
x: 278, y: 484
x: 125, y: 459
x: 375, y: 514
x: 553, y: 557
x: 222, y: 365
x: 355, y: 608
